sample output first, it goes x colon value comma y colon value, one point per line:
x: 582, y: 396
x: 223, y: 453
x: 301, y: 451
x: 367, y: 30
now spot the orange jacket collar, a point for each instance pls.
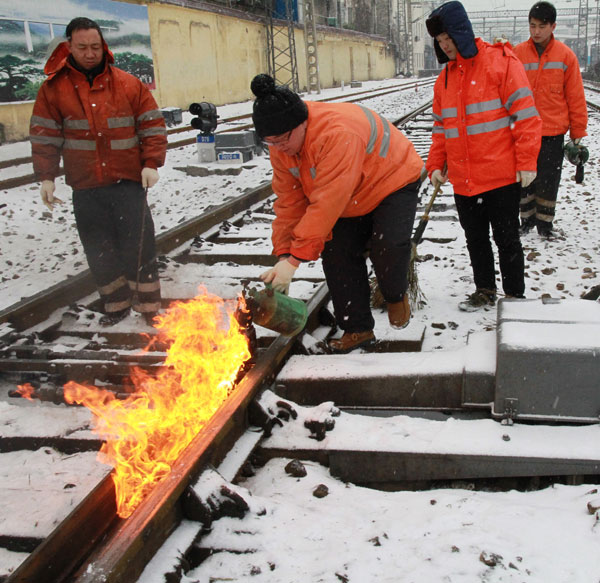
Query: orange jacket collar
x: 58, y: 58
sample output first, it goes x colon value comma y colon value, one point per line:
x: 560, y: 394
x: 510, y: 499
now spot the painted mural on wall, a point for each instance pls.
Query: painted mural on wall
x: 30, y: 29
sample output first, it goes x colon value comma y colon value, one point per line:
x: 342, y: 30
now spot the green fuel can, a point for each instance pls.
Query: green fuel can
x: 276, y: 311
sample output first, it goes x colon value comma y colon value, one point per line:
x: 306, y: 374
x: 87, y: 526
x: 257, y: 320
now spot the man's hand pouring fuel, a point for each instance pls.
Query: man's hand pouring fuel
x: 47, y: 194
x: 280, y: 276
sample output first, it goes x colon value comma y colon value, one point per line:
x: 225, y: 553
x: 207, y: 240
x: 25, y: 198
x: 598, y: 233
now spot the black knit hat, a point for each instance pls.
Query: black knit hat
x: 277, y: 109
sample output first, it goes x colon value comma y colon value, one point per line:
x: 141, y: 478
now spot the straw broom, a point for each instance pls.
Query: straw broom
x: 415, y: 293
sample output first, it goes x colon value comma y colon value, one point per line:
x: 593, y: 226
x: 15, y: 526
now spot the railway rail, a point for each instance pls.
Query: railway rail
x: 228, y: 124
x: 36, y: 349
x: 91, y: 543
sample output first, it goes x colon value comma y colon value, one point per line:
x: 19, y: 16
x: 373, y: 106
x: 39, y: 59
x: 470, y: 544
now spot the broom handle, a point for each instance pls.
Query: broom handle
x: 425, y: 218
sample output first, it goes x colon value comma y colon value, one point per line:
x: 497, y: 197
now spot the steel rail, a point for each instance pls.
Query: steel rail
x: 93, y: 544
x: 351, y: 99
x: 33, y: 310
x: 37, y: 308
x: 367, y: 94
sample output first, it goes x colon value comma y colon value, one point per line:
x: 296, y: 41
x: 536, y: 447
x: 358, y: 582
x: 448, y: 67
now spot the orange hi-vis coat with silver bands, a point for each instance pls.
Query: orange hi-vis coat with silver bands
x: 351, y: 159
x: 486, y: 126
x: 106, y: 132
x: 557, y: 87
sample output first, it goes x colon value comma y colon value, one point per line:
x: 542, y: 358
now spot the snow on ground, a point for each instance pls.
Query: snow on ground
x: 355, y: 534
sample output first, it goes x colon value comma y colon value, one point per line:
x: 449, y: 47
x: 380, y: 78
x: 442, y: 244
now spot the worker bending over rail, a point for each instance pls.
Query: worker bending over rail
x: 347, y: 182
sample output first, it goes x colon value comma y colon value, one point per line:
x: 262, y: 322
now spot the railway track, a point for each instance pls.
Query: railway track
x: 22, y: 166
x: 284, y: 395
x: 48, y: 344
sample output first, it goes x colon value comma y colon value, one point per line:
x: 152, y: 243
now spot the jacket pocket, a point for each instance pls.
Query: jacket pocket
x: 556, y: 88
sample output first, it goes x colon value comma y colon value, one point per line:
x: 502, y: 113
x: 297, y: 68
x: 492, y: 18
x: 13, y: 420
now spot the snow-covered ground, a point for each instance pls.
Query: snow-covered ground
x: 355, y: 534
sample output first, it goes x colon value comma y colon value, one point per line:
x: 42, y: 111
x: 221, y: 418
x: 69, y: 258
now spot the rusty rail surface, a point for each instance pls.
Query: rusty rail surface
x: 93, y: 544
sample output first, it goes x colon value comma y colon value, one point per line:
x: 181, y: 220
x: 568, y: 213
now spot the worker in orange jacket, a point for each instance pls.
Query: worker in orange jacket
x: 107, y: 127
x: 553, y: 72
x: 347, y: 182
x: 487, y: 133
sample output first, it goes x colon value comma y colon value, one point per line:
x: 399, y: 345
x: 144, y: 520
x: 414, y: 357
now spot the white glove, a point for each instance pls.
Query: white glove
x: 525, y: 177
x: 438, y: 177
x: 280, y: 276
x: 47, y: 194
x: 576, y: 141
x: 149, y: 177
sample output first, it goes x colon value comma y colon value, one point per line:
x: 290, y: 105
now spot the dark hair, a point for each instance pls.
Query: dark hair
x: 82, y: 23
x: 543, y: 11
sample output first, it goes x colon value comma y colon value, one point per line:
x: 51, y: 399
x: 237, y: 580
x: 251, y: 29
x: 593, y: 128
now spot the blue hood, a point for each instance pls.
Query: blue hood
x: 452, y: 19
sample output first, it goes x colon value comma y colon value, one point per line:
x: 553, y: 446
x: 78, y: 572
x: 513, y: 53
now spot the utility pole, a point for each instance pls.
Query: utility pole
x: 409, y: 39
x: 596, y: 54
x: 582, y: 33
x: 310, y: 43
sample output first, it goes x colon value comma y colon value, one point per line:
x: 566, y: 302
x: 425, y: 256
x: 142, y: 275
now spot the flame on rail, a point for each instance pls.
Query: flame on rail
x: 146, y: 432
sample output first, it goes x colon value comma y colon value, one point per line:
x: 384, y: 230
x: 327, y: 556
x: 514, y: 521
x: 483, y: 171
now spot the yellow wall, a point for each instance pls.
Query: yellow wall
x: 202, y: 55
x: 14, y: 120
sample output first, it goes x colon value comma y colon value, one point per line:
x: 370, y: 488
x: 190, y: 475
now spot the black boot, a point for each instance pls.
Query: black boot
x: 113, y: 318
x: 526, y: 225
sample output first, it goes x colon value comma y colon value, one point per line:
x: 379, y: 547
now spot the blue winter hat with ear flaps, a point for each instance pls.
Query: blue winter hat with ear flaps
x: 452, y: 19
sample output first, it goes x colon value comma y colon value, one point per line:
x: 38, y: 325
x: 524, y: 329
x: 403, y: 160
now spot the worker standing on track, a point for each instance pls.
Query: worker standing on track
x: 112, y: 137
x: 347, y: 183
x: 487, y: 131
x: 553, y: 72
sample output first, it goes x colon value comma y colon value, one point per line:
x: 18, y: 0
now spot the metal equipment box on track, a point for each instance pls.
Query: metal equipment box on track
x: 548, y: 360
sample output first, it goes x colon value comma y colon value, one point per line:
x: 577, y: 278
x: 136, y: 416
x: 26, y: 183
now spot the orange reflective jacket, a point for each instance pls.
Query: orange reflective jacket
x: 105, y: 133
x: 486, y: 126
x: 557, y: 87
x: 351, y: 159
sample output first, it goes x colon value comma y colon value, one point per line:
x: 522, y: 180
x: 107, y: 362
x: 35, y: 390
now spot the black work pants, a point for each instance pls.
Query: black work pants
x: 109, y: 222
x: 500, y: 209
x: 384, y: 235
x: 538, y: 200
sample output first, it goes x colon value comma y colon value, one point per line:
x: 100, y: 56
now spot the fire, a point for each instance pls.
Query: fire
x: 26, y: 391
x: 146, y: 432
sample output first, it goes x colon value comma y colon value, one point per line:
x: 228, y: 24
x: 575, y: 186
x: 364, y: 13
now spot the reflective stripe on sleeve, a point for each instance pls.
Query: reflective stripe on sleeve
x: 451, y: 132
x: 524, y: 113
x: 46, y: 140
x: 449, y: 112
x: 148, y: 115
x: 518, y: 94
x: 152, y: 132
x: 44, y: 122
x: 437, y: 130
